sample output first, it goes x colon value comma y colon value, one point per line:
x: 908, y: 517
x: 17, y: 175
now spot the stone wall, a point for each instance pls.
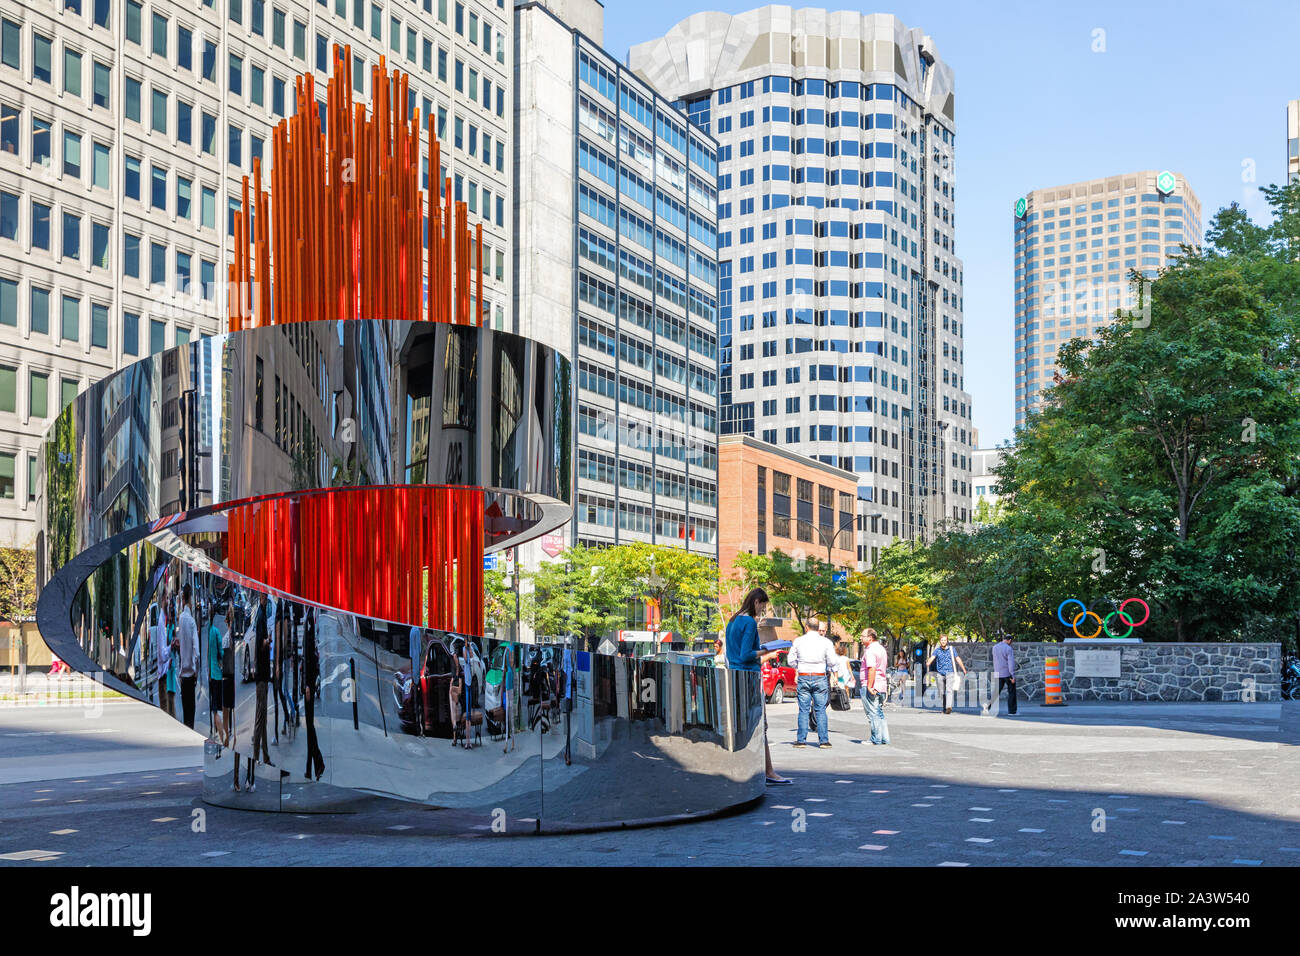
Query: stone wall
x: 1167, y: 672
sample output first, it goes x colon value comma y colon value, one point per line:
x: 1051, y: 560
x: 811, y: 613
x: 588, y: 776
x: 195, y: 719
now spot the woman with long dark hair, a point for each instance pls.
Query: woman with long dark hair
x: 743, y: 655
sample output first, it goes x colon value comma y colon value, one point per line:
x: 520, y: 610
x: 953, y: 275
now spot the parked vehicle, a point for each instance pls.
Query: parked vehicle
x: 778, y: 678
x: 424, y: 701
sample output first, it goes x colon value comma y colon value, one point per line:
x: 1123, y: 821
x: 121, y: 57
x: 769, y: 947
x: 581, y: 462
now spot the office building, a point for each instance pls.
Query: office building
x: 1293, y: 141
x: 984, y: 482
x: 616, y: 265
x: 840, y: 290
x: 1076, y: 248
x: 772, y: 499
x: 125, y: 130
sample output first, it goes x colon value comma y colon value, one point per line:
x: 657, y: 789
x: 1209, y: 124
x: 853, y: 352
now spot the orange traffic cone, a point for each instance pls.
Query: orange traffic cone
x: 1052, y: 683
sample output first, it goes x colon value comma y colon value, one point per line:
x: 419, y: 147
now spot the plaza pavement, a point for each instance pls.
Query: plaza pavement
x: 1092, y: 784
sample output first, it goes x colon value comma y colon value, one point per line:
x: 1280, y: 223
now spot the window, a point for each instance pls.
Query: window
x: 159, y: 35
x: 208, y: 209
x: 98, y: 325
x: 131, y: 184
x: 257, y: 85
x: 40, y: 316
x: 157, y: 264
x: 158, y: 188
x: 71, y: 154
x: 42, y: 133
x: 103, y: 11
x: 209, y: 61
x: 132, y: 99
x: 99, y: 172
x: 130, y: 333
x: 11, y: 38
x: 42, y: 58
x: 131, y: 255
x: 9, y: 129
x: 71, y: 72
x: 236, y: 139
x: 8, y: 302
x: 300, y: 40
x: 158, y: 111
x: 133, y: 13
x: 8, y: 215
x: 184, y: 189
x: 8, y: 464
x: 236, y: 82
x: 184, y: 122
x: 278, y: 19
x: 8, y: 403
x: 38, y: 391
x: 99, y: 233
x: 103, y: 77
x: 184, y: 48
x: 40, y: 226
x: 208, y: 142
x: 71, y: 318
x: 68, y: 389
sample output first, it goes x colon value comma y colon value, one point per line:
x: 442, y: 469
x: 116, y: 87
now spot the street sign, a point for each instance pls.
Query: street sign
x: 553, y: 543
x: 489, y: 562
x: 1021, y: 206
x: 839, y: 577
x: 1165, y: 182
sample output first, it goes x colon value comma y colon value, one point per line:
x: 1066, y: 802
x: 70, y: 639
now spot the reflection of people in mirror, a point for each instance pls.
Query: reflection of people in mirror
x: 262, y: 637
x: 216, y: 683
x: 311, y: 675
x: 187, y: 641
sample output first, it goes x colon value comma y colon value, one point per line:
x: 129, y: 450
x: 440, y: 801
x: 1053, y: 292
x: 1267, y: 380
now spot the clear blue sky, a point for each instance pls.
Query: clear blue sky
x: 1199, y: 88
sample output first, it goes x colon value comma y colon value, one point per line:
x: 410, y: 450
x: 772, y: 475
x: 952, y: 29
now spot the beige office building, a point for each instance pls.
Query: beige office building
x: 1076, y: 248
x: 126, y: 127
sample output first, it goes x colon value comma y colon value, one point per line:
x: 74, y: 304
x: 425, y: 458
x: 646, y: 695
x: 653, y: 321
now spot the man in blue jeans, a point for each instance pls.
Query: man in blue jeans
x: 874, y: 683
x: 813, y: 658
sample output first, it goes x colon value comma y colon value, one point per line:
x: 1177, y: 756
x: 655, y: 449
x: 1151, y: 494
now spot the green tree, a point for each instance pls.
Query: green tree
x: 804, y: 586
x: 683, y: 584
x: 498, y: 600
x: 576, y: 595
x: 17, y: 583
x: 1164, y: 466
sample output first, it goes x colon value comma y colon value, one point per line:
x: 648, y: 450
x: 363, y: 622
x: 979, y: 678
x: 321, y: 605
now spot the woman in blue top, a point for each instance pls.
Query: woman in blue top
x: 743, y: 655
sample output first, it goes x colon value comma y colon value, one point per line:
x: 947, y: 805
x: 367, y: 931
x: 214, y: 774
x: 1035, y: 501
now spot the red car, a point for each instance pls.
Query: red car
x: 778, y: 678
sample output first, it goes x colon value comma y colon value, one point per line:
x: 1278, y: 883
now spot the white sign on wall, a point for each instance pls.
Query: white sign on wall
x: 1096, y: 663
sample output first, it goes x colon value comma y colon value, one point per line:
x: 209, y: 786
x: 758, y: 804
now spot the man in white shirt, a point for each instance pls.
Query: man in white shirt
x: 813, y: 658
x: 188, y: 632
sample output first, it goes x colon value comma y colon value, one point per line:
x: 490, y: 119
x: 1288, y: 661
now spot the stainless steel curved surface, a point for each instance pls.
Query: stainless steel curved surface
x: 141, y: 475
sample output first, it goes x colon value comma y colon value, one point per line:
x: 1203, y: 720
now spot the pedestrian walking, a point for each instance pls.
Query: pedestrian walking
x: 875, y: 684
x: 813, y: 658
x: 1004, y: 669
x: 188, y: 637
x: 946, y: 662
x: 743, y: 655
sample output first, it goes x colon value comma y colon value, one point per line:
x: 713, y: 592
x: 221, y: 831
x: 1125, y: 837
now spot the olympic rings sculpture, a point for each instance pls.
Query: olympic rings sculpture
x: 1102, y: 625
